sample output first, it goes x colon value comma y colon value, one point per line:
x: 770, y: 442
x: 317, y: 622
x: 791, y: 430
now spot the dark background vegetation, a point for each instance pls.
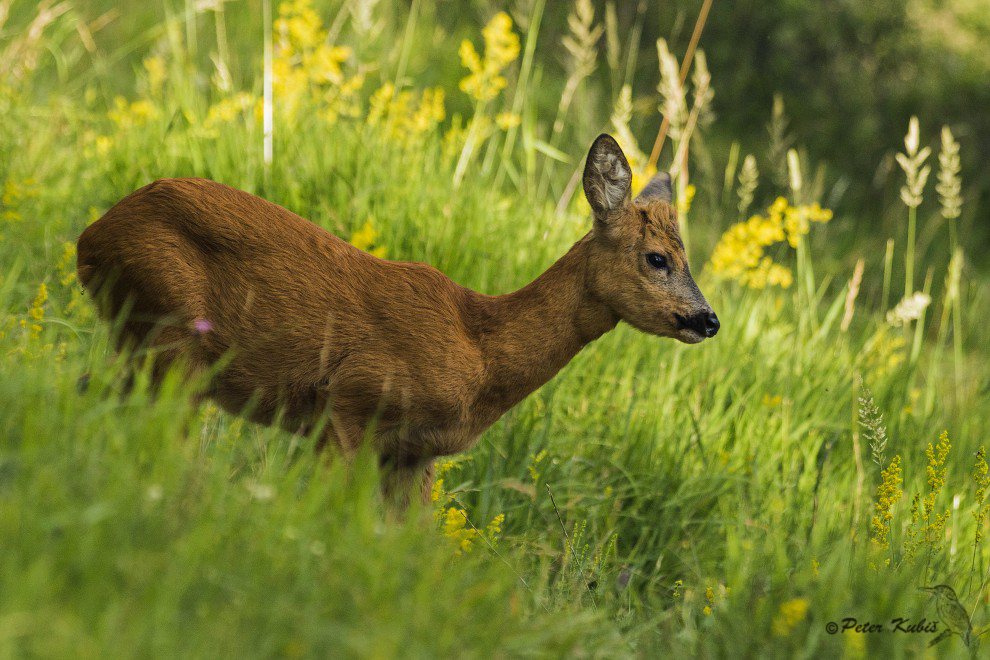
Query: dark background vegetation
x: 851, y: 75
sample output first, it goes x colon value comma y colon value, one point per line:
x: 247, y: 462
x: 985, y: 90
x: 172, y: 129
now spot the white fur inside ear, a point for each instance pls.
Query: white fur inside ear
x: 615, y: 179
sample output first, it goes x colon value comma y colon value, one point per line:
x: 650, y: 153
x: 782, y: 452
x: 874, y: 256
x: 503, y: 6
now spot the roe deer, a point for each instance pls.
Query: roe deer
x: 310, y: 325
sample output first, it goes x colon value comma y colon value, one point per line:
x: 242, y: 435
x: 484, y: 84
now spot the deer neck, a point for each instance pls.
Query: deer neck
x: 526, y: 337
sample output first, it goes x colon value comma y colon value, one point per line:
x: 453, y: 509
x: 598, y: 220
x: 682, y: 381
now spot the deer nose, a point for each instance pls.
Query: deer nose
x: 711, y: 324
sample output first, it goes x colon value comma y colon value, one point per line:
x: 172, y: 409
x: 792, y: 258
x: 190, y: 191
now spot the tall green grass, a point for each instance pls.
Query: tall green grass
x: 711, y: 500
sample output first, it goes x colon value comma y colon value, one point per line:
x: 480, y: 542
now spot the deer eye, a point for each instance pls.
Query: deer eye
x: 656, y: 260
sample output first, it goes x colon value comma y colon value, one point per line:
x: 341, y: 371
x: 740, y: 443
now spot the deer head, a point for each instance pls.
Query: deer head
x: 638, y: 266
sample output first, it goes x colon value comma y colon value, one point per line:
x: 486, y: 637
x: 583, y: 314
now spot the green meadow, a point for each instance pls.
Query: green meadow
x: 816, y: 462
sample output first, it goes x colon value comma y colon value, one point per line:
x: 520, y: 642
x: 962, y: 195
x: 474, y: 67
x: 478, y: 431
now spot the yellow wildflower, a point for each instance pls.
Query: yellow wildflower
x: 789, y: 615
x: 14, y: 194
x: 936, y: 461
x: 65, y: 266
x: 912, y: 538
x: 33, y: 330
x: 431, y: 110
x: 534, y: 465
x: 507, y: 120
x: 981, y: 475
x: 305, y: 65
x: 154, y: 66
x: 740, y: 255
x: 381, y: 102
x: 289, y: 82
x: 37, y: 311
x: 455, y: 136
x: 365, y: 237
x: 402, y: 115
x: 935, y: 526
x: 445, y: 466
x: 454, y: 528
x: 494, y: 528
x: 778, y: 207
x: 795, y: 225
x: 684, y: 201
x: 470, y: 58
x: 501, y: 48
x: 128, y: 115
x: 888, y: 492
x: 817, y: 214
x: 103, y: 144
x: 228, y: 109
x: 89, y: 148
x: 883, y: 352
x: 298, y: 25
x: 437, y: 492
x: 324, y: 63
x: 342, y: 100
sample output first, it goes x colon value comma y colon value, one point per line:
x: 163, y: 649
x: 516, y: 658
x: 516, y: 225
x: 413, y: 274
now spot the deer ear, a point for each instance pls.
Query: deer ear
x: 659, y: 187
x: 606, y: 177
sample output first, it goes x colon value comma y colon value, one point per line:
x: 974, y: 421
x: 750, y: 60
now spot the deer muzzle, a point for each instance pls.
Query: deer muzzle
x: 704, y: 323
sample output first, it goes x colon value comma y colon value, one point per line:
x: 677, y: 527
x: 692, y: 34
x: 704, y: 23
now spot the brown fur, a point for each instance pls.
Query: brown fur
x: 312, y: 324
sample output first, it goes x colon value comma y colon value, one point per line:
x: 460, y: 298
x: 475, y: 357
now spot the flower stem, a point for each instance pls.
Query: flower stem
x: 909, y: 254
x: 888, y: 267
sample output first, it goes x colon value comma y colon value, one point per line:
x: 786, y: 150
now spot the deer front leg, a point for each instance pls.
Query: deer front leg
x: 404, y: 475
